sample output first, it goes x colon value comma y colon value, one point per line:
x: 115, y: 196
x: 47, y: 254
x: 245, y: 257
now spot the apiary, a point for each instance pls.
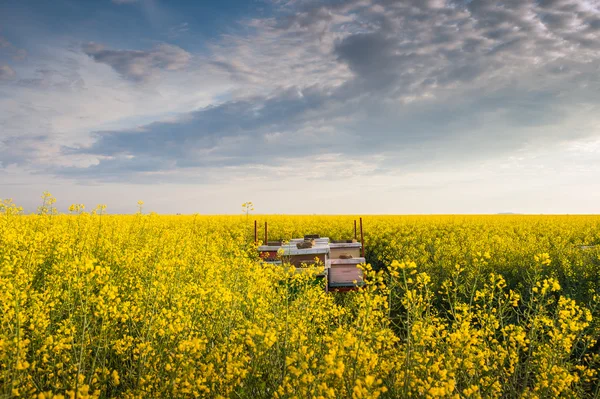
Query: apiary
x: 340, y: 258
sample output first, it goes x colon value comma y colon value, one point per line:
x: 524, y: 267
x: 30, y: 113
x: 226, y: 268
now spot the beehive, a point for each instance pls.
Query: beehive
x: 297, y: 257
x: 344, y: 272
x: 344, y: 249
x: 289, y: 253
x: 268, y: 253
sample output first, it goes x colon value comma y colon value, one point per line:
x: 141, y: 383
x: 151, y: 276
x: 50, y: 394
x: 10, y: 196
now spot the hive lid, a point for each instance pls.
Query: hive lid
x: 269, y: 248
x: 317, y: 240
x: 345, y: 245
x: 317, y: 249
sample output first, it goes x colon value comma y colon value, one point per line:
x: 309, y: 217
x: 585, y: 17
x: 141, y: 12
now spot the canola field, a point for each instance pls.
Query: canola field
x: 147, y: 306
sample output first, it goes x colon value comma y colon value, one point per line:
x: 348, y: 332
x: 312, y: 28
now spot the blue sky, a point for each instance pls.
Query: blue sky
x: 359, y: 106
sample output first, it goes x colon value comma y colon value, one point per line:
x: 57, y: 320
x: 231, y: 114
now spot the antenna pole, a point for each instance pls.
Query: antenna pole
x: 362, y: 239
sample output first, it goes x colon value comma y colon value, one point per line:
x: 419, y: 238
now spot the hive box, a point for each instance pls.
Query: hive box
x: 348, y: 248
x: 291, y: 254
x: 268, y: 253
x: 297, y: 257
x: 308, y: 256
x: 343, y: 272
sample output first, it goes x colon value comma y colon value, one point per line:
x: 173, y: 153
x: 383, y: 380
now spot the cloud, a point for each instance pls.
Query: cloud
x: 20, y: 55
x: 229, y: 134
x: 139, y: 65
x: 56, y: 79
x: 371, y: 57
x: 16, y: 53
x: 292, y: 127
x: 408, y: 85
x: 178, y: 30
x: 6, y: 72
x: 92, y: 97
x: 20, y: 151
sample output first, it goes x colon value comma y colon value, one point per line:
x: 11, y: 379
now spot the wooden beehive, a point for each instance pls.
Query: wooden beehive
x: 268, y: 253
x: 344, y: 272
x: 297, y: 256
x: 344, y: 249
x: 294, y: 255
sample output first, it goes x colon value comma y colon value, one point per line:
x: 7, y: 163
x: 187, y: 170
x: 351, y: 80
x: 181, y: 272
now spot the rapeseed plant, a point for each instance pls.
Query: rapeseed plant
x: 135, y: 306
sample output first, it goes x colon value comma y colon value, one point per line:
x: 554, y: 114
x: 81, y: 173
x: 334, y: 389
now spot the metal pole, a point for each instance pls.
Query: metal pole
x: 355, y: 237
x: 266, y: 234
x: 362, y: 239
x: 255, y: 233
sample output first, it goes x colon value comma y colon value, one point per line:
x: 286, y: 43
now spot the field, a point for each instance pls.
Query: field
x: 138, y: 306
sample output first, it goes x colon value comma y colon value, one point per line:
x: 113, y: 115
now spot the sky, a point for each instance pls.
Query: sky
x: 302, y: 106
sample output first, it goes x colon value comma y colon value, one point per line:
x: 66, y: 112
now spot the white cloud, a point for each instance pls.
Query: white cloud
x: 69, y: 96
x: 6, y: 72
x: 20, y: 55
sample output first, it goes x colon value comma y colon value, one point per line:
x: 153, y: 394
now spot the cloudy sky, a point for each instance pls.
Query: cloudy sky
x: 302, y: 106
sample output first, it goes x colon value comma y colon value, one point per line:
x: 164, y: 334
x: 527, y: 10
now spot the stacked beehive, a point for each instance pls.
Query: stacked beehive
x: 343, y: 264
